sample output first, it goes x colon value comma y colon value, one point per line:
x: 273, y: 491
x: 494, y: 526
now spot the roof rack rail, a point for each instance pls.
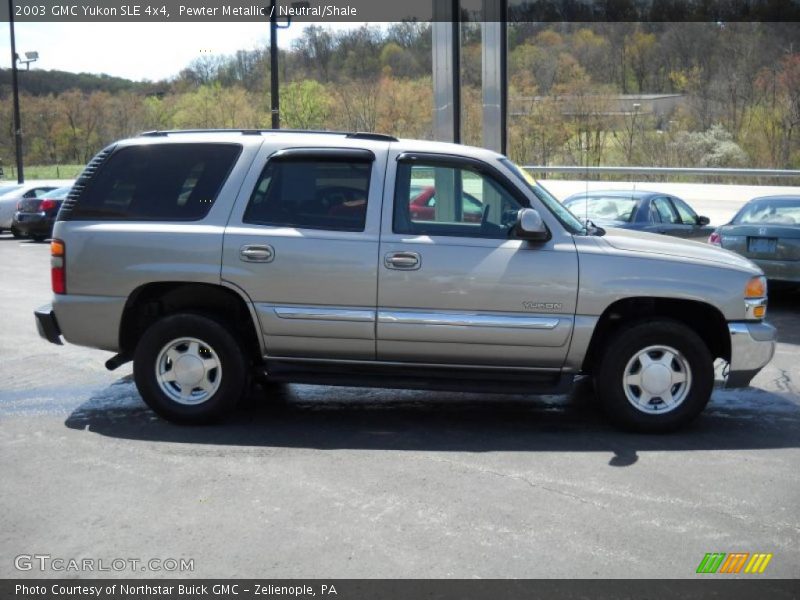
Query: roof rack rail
x: 367, y: 135
x: 358, y: 135
x: 165, y: 132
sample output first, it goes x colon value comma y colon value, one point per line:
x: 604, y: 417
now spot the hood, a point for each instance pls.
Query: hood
x: 657, y: 244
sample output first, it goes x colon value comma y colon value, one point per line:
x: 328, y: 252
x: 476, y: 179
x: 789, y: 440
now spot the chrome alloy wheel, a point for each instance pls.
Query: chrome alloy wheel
x: 657, y: 379
x: 188, y: 371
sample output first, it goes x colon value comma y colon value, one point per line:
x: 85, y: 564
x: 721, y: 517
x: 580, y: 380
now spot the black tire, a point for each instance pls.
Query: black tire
x: 38, y: 238
x: 213, y: 338
x: 620, y: 354
x: 16, y: 232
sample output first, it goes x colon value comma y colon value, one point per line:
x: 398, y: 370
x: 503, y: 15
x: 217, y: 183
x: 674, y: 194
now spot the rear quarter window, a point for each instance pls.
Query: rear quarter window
x: 157, y: 182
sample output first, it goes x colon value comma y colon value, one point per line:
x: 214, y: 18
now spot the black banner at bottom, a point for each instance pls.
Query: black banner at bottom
x: 397, y: 589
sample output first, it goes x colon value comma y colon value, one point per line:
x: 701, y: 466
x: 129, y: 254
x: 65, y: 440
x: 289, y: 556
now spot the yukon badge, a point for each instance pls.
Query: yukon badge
x: 542, y: 306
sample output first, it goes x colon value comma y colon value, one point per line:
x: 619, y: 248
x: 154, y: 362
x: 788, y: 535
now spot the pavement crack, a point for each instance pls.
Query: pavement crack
x: 784, y: 381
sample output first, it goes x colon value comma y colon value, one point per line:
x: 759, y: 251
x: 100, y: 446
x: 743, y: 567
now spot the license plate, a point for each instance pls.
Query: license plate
x: 762, y: 245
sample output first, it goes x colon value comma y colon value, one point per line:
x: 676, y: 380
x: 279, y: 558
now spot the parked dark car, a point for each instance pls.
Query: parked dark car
x: 35, y: 217
x: 654, y: 212
x: 767, y: 231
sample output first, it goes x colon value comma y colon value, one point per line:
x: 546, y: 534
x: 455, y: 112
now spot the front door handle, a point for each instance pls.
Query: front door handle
x: 257, y: 253
x: 403, y: 261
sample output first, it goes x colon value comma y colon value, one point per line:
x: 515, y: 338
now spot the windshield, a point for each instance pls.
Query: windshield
x: 604, y: 208
x: 567, y: 219
x: 770, y: 212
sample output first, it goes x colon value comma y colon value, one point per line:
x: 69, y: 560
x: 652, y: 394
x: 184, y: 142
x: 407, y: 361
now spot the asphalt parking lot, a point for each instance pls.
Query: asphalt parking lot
x: 341, y: 482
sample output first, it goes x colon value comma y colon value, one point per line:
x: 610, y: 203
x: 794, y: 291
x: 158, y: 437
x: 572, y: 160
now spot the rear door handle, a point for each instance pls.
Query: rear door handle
x: 403, y: 261
x: 257, y: 253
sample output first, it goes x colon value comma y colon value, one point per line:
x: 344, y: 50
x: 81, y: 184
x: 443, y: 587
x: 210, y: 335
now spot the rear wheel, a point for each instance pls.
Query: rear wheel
x: 16, y: 232
x: 655, y: 376
x: 189, y: 369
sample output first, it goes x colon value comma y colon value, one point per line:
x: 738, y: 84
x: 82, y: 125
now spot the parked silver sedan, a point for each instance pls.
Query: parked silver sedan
x: 767, y: 231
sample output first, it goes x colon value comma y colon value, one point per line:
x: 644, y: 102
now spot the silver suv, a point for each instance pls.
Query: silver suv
x: 208, y: 257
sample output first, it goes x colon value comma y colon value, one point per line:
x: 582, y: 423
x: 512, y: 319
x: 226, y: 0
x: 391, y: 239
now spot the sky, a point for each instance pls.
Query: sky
x: 138, y: 51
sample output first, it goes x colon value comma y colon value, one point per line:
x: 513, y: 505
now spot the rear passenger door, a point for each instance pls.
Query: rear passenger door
x: 302, y: 242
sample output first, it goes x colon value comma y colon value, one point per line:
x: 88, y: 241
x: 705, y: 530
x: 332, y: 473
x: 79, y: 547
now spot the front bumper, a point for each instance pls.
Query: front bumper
x: 47, y: 325
x: 752, y: 347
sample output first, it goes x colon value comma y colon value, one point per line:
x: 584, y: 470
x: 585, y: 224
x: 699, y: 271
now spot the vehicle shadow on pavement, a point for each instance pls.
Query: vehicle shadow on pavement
x: 784, y: 313
x: 300, y: 416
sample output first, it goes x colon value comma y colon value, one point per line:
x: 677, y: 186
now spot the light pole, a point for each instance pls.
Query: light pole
x: 274, y: 93
x: 15, y: 93
x: 275, y: 103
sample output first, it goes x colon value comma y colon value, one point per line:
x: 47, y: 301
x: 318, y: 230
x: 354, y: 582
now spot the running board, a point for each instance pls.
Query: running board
x: 425, y: 377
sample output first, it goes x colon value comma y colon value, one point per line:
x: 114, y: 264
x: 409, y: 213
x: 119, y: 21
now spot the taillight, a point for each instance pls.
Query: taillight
x: 58, y: 271
x: 715, y: 239
x: 19, y: 205
x: 47, y: 204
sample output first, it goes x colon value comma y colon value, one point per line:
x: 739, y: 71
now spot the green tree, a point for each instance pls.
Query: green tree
x: 305, y: 105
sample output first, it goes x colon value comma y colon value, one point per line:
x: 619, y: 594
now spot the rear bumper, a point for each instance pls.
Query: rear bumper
x: 47, y: 325
x: 780, y: 270
x: 752, y: 347
x: 33, y: 224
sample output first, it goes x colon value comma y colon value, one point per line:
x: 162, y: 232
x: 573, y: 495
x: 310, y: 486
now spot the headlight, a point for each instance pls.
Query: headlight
x: 756, y: 287
x: 755, y: 298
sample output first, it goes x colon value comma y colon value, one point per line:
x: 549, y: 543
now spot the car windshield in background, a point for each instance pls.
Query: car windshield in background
x: 770, y: 212
x: 563, y: 214
x: 605, y: 208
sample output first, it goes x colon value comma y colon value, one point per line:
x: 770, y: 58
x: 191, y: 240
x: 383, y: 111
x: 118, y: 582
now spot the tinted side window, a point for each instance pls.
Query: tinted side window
x: 665, y: 211
x: 451, y: 201
x: 688, y: 216
x: 311, y: 193
x: 165, y: 182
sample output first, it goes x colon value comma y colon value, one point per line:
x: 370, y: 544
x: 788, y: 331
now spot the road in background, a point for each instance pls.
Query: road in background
x: 344, y: 482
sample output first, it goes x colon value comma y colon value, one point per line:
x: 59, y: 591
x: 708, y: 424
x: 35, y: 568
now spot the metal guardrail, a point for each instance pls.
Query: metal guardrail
x: 696, y: 171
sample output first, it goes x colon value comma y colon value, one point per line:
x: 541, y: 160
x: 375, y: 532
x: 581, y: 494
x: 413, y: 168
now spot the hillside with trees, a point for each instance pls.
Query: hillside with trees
x: 737, y: 88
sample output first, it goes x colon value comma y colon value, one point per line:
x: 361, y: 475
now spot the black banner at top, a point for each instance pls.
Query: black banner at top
x: 321, y: 11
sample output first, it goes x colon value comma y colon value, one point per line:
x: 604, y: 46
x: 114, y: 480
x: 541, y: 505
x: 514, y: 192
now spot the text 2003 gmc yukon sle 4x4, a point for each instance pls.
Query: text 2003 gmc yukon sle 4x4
x: 208, y: 256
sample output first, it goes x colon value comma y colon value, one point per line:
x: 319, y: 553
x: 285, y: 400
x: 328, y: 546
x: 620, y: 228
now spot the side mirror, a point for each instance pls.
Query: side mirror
x: 703, y: 221
x: 529, y: 226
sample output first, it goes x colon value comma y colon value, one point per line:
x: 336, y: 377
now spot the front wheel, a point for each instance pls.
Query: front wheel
x: 189, y: 369
x: 655, y: 376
